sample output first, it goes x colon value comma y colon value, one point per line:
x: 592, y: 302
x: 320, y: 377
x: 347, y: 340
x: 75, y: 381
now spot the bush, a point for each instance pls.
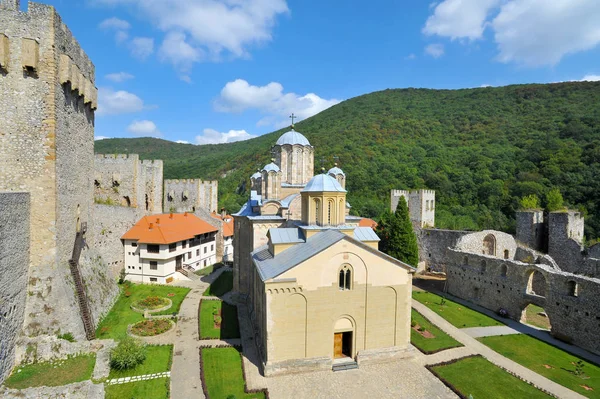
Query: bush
x: 128, y: 354
x: 413, y: 323
x: 122, y: 275
x: 421, y: 328
x: 66, y: 336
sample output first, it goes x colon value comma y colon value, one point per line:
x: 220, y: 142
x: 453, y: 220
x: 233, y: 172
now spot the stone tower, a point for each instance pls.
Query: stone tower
x: 421, y: 206
x: 295, y: 157
x: 47, y: 149
x: 531, y: 229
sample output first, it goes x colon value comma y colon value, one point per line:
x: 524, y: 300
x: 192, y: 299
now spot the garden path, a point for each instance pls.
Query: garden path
x: 478, y: 332
x: 494, y: 357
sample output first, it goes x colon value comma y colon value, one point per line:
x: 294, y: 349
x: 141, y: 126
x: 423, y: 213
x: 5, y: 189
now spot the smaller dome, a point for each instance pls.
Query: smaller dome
x: 292, y: 137
x: 271, y: 168
x: 256, y: 175
x: 324, y: 183
x: 336, y: 171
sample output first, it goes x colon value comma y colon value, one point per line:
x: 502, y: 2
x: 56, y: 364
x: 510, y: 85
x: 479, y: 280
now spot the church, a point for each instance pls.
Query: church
x: 320, y: 293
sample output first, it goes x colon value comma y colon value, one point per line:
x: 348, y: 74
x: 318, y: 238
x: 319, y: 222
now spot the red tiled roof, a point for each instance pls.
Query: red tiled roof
x: 366, y: 222
x: 167, y: 228
x: 227, y: 223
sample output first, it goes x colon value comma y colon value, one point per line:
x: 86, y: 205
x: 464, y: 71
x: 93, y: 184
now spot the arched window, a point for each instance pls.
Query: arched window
x: 466, y: 261
x: 329, y: 212
x: 503, y: 270
x: 572, y: 288
x: 345, y: 278
x: 506, y: 254
x: 317, y: 212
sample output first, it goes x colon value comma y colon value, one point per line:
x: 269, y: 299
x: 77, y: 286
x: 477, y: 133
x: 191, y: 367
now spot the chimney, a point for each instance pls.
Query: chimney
x: 150, y: 226
x: 223, y: 213
x: 171, y: 215
x: 10, y: 4
x: 157, y: 221
x: 185, y: 214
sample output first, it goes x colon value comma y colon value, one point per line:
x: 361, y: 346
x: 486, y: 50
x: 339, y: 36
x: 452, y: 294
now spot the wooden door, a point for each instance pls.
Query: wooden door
x: 337, y: 345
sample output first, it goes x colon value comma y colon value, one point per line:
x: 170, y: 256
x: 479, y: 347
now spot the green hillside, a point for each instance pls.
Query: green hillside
x: 481, y: 149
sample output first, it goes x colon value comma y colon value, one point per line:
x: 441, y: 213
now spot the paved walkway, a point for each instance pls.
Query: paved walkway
x: 494, y: 357
x: 478, y: 332
x: 135, y: 378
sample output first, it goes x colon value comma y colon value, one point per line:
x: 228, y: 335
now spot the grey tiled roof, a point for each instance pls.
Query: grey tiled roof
x: 292, y: 137
x: 286, y: 235
x: 365, y: 234
x: 323, y: 182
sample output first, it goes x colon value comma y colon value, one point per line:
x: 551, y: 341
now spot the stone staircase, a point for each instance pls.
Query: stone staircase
x: 84, y: 305
x: 344, y: 364
x: 189, y: 273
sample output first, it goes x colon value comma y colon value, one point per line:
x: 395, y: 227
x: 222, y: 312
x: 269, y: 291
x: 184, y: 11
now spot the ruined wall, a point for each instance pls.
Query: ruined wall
x: 187, y: 195
x: 569, y: 300
x: 150, y: 185
x: 14, y: 260
x: 532, y: 230
x: 433, y: 247
x: 565, y: 241
x: 488, y: 242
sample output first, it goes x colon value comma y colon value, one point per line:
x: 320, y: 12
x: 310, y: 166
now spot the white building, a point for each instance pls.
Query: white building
x: 227, y: 235
x: 163, y: 248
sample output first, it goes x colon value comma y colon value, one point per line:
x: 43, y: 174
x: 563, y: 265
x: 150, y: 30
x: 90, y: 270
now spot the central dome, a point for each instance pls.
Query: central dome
x: 292, y: 137
x: 325, y: 183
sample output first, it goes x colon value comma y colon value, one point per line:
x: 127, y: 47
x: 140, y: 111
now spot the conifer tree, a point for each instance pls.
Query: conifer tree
x: 397, y: 236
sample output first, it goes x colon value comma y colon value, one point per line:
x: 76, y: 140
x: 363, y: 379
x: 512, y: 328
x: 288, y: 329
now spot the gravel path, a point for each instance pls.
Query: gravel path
x: 477, y: 332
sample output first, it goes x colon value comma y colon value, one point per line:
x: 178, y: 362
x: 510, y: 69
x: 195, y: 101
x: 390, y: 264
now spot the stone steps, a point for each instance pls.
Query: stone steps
x: 350, y: 365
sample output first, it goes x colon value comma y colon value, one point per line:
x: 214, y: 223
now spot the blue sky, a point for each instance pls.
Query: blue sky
x: 206, y: 71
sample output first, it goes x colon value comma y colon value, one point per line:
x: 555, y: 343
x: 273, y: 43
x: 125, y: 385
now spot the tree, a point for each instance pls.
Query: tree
x: 397, y: 236
x: 530, y: 202
x: 554, y: 200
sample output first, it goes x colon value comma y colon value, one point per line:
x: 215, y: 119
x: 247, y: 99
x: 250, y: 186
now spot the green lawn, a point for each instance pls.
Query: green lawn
x: 483, y: 380
x: 205, y: 271
x: 455, y: 313
x: 53, y: 374
x: 533, y: 318
x: 440, y: 342
x: 223, y: 374
x: 229, y: 324
x: 114, y: 324
x: 157, y: 388
x: 158, y: 359
x: 537, y: 355
x: 222, y: 285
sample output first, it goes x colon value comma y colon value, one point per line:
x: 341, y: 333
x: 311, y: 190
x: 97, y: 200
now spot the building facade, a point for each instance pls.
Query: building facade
x: 163, y: 248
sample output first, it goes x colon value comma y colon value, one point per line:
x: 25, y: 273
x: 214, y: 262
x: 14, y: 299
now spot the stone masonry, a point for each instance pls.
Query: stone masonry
x: 14, y: 260
x: 188, y: 195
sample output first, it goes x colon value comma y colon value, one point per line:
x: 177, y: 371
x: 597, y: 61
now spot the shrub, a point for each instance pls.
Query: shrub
x: 421, y: 328
x: 66, y: 336
x: 128, y: 354
x: 122, y: 275
x: 413, y: 323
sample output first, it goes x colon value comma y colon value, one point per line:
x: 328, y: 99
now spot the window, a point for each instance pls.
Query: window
x: 205, y: 248
x: 197, y: 252
x: 184, y: 244
x: 189, y: 255
x: 204, y: 262
x: 153, y: 249
x: 212, y: 247
x: 345, y: 278
x: 572, y: 288
x: 506, y: 254
x: 153, y: 265
x: 317, y: 212
x: 173, y: 247
x: 134, y: 244
x: 153, y: 279
x: 503, y: 270
x: 329, y: 213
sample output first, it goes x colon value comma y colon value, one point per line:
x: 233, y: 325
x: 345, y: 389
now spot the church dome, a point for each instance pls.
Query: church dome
x: 336, y: 171
x: 323, y: 182
x: 271, y: 168
x: 256, y: 175
x: 292, y: 137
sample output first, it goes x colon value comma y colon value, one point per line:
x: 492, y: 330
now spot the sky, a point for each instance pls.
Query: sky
x: 214, y: 71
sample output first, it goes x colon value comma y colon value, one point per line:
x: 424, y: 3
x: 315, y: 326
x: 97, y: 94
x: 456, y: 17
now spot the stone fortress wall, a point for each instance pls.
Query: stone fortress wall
x: 14, y: 262
x: 188, y: 195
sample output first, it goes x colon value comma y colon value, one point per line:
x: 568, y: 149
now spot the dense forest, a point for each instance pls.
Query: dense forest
x: 480, y: 149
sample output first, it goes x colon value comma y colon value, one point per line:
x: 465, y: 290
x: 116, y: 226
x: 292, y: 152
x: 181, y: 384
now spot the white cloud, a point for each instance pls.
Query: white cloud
x: 182, y: 142
x: 119, y: 77
x: 215, y: 28
x: 435, y: 50
x: 211, y: 136
x: 96, y: 138
x: 141, y: 47
x: 591, y: 78
x: 485, y: 85
x: 528, y: 32
x: 144, y: 128
x: 459, y: 18
x: 119, y: 26
x: 176, y: 50
x: 239, y: 95
x: 410, y: 57
x: 111, y: 102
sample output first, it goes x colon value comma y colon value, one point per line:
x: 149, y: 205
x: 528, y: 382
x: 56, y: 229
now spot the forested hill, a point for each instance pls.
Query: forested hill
x: 480, y: 149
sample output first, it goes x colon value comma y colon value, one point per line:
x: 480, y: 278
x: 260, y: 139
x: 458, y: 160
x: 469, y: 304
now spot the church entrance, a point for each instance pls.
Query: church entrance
x: 342, y: 344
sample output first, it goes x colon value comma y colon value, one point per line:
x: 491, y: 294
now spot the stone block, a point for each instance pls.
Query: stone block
x: 30, y: 54
x: 75, y: 77
x: 3, y: 52
x: 64, y: 69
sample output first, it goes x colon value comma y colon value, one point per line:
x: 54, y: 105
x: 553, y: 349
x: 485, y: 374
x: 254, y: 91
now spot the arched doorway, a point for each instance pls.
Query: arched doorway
x: 535, y: 316
x: 489, y: 245
x: 536, y: 284
x: 343, y: 338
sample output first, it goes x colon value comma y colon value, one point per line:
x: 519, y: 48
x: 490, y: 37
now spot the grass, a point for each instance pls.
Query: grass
x: 205, y: 271
x: 53, y: 374
x: 229, y: 324
x: 158, y: 359
x: 430, y: 345
x: 157, y: 388
x: 114, y: 325
x: 535, y: 355
x: 533, y: 318
x: 223, y: 374
x: 455, y: 313
x: 222, y: 285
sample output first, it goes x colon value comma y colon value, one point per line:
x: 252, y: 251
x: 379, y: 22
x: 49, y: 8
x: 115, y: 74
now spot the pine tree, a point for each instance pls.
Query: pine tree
x: 397, y: 236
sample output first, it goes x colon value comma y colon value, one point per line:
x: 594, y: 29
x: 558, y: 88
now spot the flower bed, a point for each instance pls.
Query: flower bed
x: 151, y: 303
x: 149, y: 328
